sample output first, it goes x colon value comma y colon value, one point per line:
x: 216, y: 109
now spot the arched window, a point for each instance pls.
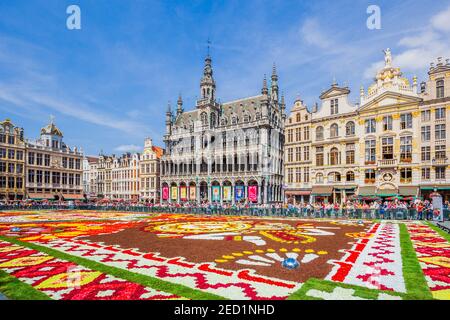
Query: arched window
x: 440, y: 89
x: 334, y: 130
x: 223, y: 121
x: 319, y: 178
x: 213, y: 119
x: 204, y: 118
x: 319, y: 133
x: 350, y: 176
x: 334, y: 177
x: 334, y: 157
x: 350, y: 128
x: 298, y: 117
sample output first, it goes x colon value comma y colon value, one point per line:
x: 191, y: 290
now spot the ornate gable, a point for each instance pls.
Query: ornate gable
x: 389, y: 88
x: 389, y: 98
x: 334, y: 91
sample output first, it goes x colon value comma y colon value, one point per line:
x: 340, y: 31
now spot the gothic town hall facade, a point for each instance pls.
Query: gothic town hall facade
x: 228, y: 152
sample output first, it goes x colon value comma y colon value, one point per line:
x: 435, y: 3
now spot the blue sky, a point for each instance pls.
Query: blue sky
x: 108, y: 84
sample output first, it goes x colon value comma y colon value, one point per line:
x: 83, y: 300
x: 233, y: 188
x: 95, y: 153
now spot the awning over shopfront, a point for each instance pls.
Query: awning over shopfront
x: 322, y: 190
x: 367, y: 191
x: 298, y: 192
x: 386, y: 192
x: 41, y: 196
x: 73, y: 196
x: 408, y: 191
x: 437, y: 187
x: 348, y: 187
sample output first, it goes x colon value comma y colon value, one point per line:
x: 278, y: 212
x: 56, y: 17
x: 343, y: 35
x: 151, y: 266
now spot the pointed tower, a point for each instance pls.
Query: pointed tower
x: 274, y: 84
x: 207, y: 83
x: 283, y: 107
x: 179, y: 105
x: 51, y: 135
x: 265, y: 100
x: 169, y: 120
x: 264, y: 90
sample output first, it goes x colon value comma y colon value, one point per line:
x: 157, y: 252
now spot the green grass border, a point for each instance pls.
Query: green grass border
x: 147, y: 281
x: 416, y: 285
x: 328, y: 286
x: 441, y: 232
x: 14, y: 289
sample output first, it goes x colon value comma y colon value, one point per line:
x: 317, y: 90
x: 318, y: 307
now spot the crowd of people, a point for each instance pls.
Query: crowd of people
x: 413, y: 209
x: 420, y: 209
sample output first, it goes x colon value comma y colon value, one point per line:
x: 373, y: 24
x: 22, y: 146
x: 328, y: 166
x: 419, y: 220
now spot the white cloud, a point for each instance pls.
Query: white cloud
x: 441, y: 21
x: 422, y: 48
x: 418, y: 40
x: 371, y: 71
x: 310, y: 31
x: 128, y: 148
x: 24, y: 97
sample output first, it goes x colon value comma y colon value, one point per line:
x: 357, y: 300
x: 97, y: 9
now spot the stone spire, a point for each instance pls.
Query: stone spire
x: 264, y: 89
x: 334, y: 84
x: 179, y: 105
x: 274, y: 84
x: 207, y: 83
x: 169, y: 119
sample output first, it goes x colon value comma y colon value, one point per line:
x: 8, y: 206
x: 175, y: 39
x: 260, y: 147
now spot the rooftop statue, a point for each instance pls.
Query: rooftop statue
x: 387, y: 57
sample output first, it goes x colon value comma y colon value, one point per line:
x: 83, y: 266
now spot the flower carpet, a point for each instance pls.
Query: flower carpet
x: 89, y: 255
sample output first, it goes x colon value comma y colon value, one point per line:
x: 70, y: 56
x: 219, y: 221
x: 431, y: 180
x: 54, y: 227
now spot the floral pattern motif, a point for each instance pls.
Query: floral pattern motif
x: 433, y: 252
x: 64, y: 280
x: 374, y: 261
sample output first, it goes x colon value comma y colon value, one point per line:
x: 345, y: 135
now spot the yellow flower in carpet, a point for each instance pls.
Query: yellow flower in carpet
x: 10, y: 248
x: 439, y: 261
x: 39, y: 237
x: 441, y: 294
x: 25, y: 261
x: 69, y: 280
x: 359, y: 235
x: 433, y: 244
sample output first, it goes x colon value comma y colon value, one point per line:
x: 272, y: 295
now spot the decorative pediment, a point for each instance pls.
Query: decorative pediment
x: 334, y: 91
x: 389, y: 99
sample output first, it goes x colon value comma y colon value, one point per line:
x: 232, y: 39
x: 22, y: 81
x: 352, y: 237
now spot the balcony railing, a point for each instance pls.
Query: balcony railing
x: 440, y: 161
x: 387, y: 162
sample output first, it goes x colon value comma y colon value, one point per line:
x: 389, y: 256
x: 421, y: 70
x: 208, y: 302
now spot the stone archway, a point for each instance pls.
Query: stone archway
x: 183, y: 192
x: 253, y: 191
x: 192, y: 191
x: 203, y: 191
x: 215, y: 192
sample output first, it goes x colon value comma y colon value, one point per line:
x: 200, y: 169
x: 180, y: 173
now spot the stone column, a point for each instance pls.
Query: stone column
x: 209, y: 188
x: 197, y: 193
x: 233, y: 186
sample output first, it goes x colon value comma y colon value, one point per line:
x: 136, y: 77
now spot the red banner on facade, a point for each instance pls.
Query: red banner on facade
x: 253, y: 193
x: 165, y: 193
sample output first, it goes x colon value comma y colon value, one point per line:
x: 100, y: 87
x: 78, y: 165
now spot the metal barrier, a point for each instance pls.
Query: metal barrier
x: 389, y: 214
